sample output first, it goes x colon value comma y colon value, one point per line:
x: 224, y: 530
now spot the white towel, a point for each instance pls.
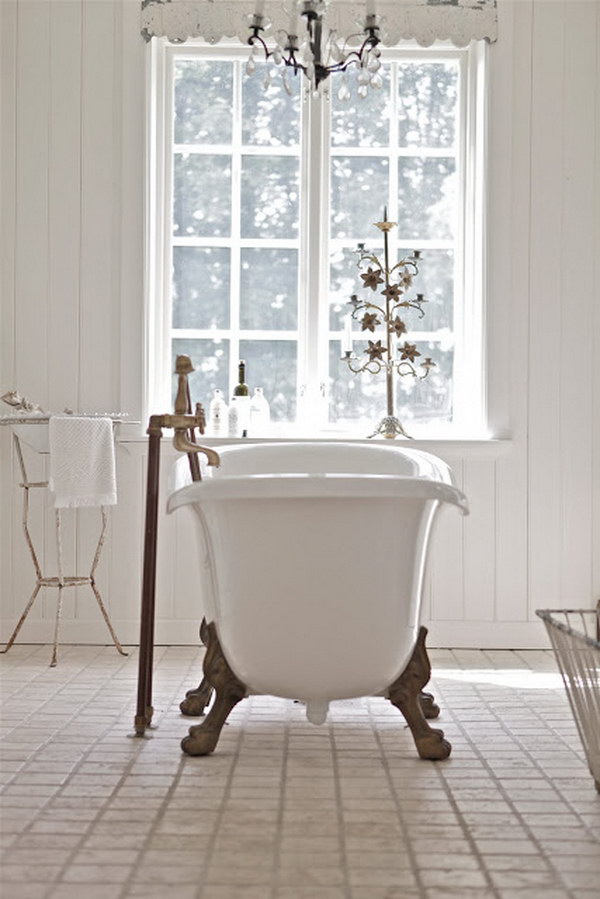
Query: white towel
x: 82, y: 461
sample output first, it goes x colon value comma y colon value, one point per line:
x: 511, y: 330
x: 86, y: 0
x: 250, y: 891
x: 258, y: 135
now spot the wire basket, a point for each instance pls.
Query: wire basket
x: 575, y: 638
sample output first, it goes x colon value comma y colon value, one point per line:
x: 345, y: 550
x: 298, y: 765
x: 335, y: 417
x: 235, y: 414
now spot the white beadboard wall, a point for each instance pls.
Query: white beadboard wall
x: 71, y: 215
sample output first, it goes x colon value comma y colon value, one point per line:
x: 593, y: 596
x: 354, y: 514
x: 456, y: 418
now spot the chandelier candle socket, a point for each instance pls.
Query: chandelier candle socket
x: 386, y: 354
x: 319, y: 51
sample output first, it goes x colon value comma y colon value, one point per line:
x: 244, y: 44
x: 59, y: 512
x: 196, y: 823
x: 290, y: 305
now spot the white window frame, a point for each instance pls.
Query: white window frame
x: 469, y: 388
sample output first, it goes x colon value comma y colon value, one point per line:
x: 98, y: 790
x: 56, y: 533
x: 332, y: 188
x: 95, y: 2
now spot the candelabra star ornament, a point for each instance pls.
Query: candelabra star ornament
x: 386, y: 354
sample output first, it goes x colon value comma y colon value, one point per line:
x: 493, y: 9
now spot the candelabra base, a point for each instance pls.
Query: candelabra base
x: 390, y: 427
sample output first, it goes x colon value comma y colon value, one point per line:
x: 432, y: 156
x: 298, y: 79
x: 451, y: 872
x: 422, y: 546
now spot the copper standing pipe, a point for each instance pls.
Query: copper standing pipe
x: 183, y: 424
x: 144, y: 710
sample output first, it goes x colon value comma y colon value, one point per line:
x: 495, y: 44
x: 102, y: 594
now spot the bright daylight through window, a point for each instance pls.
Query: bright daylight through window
x: 265, y: 192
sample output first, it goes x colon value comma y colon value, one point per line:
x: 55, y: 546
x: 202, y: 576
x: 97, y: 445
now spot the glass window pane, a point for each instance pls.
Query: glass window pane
x: 427, y: 198
x: 203, y: 101
x: 210, y: 358
x: 359, y: 191
x: 361, y: 121
x: 269, y: 206
x: 345, y: 280
x: 363, y: 397
x: 353, y: 397
x: 436, y: 282
x: 271, y: 117
x: 200, y: 287
x: 427, y: 104
x: 430, y: 399
x: 269, y: 289
x: 201, y: 195
x: 271, y: 364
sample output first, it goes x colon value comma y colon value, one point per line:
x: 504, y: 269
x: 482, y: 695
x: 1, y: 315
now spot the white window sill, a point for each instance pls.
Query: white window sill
x: 481, y: 446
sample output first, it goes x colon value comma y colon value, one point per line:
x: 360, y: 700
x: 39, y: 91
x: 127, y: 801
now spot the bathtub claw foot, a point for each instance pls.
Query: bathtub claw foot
x: 204, y: 737
x: 405, y: 693
x: 196, y: 700
x: 428, y: 704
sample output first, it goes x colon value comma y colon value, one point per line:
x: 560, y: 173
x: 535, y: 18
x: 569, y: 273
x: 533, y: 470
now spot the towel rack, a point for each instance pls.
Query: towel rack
x: 60, y: 581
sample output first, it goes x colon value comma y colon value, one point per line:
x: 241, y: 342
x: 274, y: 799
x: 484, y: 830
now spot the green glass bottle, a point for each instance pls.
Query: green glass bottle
x: 241, y: 388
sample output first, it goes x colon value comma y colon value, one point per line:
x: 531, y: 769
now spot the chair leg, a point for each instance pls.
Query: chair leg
x: 204, y: 737
x: 405, y: 694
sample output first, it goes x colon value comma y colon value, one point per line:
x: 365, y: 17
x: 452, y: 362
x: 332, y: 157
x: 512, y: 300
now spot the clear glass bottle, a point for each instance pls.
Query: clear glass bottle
x: 233, y: 419
x: 218, y: 412
x: 260, y: 414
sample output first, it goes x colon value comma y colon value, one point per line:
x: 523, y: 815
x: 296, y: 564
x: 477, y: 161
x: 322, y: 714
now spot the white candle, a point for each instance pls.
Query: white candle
x: 293, y: 23
x: 260, y: 8
x: 347, y: 335
x: 370, y: 7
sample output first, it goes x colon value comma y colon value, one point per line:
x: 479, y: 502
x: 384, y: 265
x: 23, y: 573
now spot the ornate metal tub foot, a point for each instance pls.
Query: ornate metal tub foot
x: 196, y: 700
x: 428, y: 705
x: 204, y: 737
x: 405, y: 694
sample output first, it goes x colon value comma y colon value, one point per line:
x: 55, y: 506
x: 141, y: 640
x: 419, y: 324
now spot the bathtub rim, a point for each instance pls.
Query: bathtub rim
x: 296, y: 485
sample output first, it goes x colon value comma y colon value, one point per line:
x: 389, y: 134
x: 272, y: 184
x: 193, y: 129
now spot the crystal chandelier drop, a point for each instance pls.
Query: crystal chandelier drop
x: 311, y: 47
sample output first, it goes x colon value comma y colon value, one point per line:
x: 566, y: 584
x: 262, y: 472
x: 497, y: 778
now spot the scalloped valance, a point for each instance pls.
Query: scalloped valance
x: 460, y: 21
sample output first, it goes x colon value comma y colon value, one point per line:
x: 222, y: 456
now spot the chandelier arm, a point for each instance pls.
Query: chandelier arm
x: 290, y: 61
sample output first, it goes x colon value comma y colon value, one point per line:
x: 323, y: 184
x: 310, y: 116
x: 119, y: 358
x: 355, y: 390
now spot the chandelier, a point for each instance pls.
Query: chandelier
x: 309, y: 46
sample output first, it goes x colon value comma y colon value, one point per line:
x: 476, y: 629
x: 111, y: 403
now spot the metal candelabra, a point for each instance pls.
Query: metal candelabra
x: 399, y: 359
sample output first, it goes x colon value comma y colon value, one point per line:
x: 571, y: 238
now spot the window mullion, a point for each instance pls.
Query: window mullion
x: 315, y: 220
x: 235, y: 253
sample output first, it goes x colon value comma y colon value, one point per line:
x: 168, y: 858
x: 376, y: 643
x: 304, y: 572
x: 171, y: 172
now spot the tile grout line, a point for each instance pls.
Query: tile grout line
x: 200, y: 894
x: 81, y: 761
x: 281, y: 808
x: 501, y: 789
x: 340, y: 811
x: 392, y: 786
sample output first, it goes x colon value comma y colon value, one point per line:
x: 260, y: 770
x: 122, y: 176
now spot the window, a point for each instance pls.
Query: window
x: 259, y: 196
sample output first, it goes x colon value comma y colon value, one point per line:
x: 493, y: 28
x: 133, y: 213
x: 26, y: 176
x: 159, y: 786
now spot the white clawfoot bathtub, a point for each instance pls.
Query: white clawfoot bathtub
x: 316, y: 554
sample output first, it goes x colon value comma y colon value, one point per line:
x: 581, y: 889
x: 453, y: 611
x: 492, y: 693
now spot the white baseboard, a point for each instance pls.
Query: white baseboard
x: 181, y: 632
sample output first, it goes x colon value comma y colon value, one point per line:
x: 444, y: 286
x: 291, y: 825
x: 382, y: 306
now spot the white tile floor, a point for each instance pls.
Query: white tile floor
x: 285, y: 810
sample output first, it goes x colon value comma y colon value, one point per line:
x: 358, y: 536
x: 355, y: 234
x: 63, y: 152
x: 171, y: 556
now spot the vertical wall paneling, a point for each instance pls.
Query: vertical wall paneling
x: 8, y: 162
x: 99, y: 358
x: 480, y: 541
x: 64, y: 232
x: 576, y: 287
x: 125, y: 546
x: 100, y: 170
x: 509, y: 298
x: 596, y: 331
x: 546, y: 248
x: 32, y: 233
x: 446, y: 564
x: 32, y: 219
x: 64, y: 191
